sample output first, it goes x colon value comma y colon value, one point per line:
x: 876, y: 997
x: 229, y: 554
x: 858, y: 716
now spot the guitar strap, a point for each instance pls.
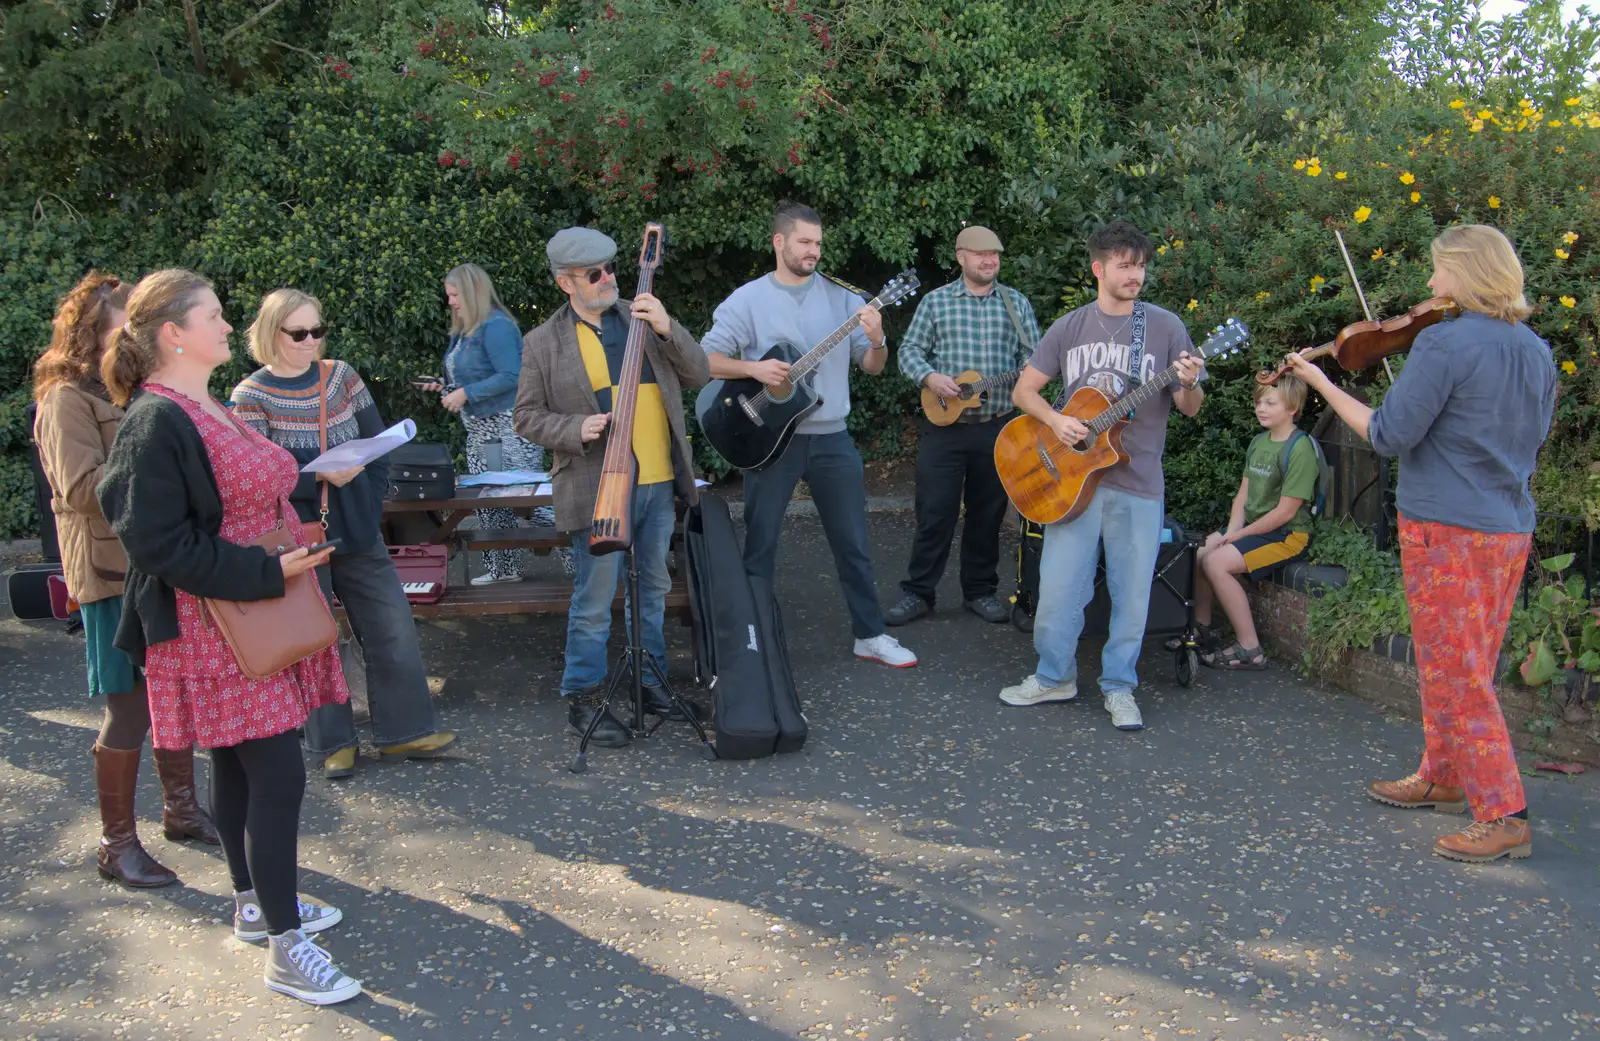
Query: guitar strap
x: 1136, y: 350
x: 1016, y: 323
x: 836, y: 280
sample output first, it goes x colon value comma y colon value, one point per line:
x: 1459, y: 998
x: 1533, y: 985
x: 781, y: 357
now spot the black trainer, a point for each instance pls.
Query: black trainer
x: 608, y: 733
x: 989, y: 609
x: 908, y: 608
x: 657, y: 701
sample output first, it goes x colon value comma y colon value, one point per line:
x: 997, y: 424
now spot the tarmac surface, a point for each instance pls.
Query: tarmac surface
x: 932, y: 866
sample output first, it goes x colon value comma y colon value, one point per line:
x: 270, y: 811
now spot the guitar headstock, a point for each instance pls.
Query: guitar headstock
x: 1227, y: 338
x: 650, y: 250
x: 897, y: 289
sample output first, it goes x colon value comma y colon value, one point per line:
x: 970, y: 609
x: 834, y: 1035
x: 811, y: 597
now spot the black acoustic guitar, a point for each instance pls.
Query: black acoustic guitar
x: 749, y: 423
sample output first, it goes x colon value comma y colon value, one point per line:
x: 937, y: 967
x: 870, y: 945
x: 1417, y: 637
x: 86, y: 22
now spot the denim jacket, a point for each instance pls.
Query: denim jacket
x: 486, y: 363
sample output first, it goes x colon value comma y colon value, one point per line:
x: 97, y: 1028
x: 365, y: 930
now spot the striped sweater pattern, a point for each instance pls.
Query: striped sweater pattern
x: 289, y: 416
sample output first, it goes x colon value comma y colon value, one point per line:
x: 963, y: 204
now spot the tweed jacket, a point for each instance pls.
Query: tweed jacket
x: 554, y: 397
x: 74, y: 430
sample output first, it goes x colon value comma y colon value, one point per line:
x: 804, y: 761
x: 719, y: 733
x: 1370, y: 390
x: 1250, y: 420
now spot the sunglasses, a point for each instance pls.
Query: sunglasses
x: 298, y: 335
x: 597, y: 273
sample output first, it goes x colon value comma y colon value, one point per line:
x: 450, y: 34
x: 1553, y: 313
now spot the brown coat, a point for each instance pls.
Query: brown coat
x: 554, y: 397
x: 74, y: 430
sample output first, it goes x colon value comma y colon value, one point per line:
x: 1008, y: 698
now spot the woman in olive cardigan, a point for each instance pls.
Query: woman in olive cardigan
x: 74, y: 428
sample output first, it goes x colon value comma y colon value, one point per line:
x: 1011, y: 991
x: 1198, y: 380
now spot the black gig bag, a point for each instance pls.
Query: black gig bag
x: 421, y: 471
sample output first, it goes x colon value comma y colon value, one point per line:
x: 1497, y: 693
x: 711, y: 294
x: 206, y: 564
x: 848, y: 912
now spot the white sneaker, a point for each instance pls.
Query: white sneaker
x: 1031, y: 692
x: 250, y: 926
x: 887, y: 649
x: 487, y: 579
x: 1124, y: 711
x: 299, y: 968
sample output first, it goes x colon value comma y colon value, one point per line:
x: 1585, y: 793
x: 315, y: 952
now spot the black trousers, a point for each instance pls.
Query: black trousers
x: 256, y: 789
x: 955, y: 467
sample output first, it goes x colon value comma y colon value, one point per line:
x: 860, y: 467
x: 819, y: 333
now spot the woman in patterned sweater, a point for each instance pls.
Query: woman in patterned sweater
x: 280, y: 400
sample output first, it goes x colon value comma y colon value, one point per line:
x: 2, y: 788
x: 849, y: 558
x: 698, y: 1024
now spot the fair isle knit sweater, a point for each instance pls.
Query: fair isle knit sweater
x: 285, y: 410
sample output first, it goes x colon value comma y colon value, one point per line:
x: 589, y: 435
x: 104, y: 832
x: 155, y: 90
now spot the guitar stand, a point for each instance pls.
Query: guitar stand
x: 631, y: 663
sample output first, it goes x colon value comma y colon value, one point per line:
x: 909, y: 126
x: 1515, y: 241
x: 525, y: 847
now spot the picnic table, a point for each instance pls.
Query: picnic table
x: 438, y: 521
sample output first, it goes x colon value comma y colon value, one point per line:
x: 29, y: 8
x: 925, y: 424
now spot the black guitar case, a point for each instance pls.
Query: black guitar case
x: 741, y: 651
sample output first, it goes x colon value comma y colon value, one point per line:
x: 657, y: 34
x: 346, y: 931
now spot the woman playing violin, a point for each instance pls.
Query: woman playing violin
x: 1465, y: 417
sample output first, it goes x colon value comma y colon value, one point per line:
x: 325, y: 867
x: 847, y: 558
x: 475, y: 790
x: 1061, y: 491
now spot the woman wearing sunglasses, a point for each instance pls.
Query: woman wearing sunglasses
x: 482, y: 366
x: 281, y: 401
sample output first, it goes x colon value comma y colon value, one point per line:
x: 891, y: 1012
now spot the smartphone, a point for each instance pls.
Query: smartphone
x: 319, y: 547
x: 417, y: 380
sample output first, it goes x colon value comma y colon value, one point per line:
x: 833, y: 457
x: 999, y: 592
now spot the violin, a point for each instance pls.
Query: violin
x: 612, y: 527
x: 1364, y: 344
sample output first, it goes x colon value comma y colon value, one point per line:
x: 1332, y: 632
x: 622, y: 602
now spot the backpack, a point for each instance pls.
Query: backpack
x: 1319, y: 495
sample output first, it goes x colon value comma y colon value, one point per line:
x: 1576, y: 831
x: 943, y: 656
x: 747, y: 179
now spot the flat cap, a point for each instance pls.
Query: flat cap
x: 579, y: 247
x: 978, y: 239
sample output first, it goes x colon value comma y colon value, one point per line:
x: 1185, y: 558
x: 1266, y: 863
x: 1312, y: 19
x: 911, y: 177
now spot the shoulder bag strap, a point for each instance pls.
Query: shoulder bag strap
x: 1016, y: 322
x: 322, y: 429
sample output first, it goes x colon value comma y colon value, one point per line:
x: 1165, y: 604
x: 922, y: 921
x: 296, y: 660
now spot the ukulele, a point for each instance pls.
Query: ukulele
x: 1049, y: 480
x: 751, y: 424
x: 612, y: 527
x: 941, y: 412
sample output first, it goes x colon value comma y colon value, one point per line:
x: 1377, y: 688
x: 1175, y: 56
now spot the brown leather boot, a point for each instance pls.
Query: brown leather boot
x: 1413, y: 793
x: 1488, y: 840
x: 181, y: 815
x: 120, y: 856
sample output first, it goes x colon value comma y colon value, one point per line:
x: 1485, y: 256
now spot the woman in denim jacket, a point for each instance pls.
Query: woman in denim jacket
x: 481, y: 368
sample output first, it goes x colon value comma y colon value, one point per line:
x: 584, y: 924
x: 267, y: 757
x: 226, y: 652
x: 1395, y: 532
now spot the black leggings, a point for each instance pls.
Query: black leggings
x: 256, y: 789
x: 127, y: 720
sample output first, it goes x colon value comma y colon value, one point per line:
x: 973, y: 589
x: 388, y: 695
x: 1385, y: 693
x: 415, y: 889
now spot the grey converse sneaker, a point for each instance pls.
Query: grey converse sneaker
x: 299, y: 968
x: 250, y: 926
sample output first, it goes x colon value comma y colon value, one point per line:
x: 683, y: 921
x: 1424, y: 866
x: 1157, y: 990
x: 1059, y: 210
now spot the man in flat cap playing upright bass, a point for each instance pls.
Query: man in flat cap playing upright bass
x: 974, y: 324
x: 570, y: 365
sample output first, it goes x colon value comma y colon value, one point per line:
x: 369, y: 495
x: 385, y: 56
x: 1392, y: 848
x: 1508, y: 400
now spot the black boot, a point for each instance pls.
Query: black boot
x: 608, y: 733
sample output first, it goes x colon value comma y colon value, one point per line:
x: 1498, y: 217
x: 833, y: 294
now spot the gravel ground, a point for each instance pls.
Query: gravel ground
x: 933, y: 865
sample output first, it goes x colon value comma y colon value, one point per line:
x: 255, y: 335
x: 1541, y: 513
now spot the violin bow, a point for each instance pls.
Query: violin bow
x: 1366, y: 309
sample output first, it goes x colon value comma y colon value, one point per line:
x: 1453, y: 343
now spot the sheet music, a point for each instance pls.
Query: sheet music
x: 360, y: 452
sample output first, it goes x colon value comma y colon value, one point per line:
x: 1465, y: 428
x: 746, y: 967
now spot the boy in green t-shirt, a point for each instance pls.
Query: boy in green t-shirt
x: 1270, y: 524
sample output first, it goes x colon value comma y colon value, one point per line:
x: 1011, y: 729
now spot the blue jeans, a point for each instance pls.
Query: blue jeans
x: 595, y: 588
x: 832, y: 468
x: 397, y: 686
x: 1131, y: 529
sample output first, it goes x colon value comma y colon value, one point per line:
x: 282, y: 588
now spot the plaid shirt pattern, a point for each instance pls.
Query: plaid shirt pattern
x: 954, y: 331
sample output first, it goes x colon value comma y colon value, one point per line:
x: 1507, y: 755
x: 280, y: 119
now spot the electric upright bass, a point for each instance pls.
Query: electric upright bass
x: 612, y: 527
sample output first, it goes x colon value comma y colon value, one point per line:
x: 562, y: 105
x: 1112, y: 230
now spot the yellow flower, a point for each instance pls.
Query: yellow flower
x: 1594, y: 122
x: 1494, y: 202
x: 1568, y: 301
x: 1362, y: 213
x: 1562, y: 254
x: 1316, y: 282
x: 1554, y: 123
x: 1416, y: 196
x: 1299, y: 164
x: 1570, y: 237
x: 1313, y: 171
x: 1475, y: 126
x: 1569, y: 367
x: 1407, y: 178
x: 1377, y: 254
x: 1262, y: 295
x: 1484, y: 113
x: 1161, y: 250
x: 1458, y: 103
x: 1574, y: 101
x: 1193, y: 304
x: 1177, y: 243
x: 1341, y: 175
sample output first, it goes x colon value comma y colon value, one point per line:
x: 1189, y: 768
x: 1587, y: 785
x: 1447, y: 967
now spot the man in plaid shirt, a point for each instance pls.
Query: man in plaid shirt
x: 972, y: 324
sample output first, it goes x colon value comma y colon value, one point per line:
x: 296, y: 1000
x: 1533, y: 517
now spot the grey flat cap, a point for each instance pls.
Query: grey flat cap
x: 579, y: 247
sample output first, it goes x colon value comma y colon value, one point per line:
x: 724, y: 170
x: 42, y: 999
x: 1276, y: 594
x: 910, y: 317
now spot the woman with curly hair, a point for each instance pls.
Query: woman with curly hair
x: 74, y: 428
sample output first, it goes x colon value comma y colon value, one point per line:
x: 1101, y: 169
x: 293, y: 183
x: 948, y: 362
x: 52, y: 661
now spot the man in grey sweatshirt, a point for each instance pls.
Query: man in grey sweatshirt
x: 794, y: 304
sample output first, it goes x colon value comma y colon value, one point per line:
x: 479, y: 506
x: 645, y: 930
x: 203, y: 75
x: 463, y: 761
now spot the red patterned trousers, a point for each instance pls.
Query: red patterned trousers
x: 1460, y: 586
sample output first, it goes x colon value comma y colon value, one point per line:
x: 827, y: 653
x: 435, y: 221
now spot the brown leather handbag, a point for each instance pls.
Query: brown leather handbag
x: 268, y: 636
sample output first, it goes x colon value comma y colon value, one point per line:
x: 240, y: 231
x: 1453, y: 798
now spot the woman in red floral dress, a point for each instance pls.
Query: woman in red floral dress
x: 186, y: 489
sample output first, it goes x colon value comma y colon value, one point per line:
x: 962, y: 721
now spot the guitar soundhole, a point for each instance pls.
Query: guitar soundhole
x: 1082, y: 447
x: 781, y: 393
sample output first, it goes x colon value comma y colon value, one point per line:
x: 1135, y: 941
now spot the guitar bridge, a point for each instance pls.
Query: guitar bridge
x: 1045, y: 461
x: 750, y: 411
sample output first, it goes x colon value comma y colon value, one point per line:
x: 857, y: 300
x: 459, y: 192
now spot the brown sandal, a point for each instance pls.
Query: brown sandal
x: 1237, y: 658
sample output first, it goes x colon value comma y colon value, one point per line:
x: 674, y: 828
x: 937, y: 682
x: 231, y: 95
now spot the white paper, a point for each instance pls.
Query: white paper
x: 698, y: 483
x: 352, y: 454
x: 490, y: 478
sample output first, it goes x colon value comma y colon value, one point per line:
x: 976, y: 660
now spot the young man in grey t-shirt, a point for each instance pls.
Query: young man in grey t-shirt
x: 796, y: 305
x: 1093, y: 347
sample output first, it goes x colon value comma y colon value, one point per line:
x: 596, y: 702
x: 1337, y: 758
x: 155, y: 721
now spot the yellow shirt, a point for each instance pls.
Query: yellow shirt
x: 652, y: 436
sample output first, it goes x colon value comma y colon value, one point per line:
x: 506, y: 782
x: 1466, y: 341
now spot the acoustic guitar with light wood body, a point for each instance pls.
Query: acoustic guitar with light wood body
x: 941, y: 412
x: 1049, y: 480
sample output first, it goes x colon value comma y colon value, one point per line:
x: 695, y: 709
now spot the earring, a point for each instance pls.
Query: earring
x: 177, y: 350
